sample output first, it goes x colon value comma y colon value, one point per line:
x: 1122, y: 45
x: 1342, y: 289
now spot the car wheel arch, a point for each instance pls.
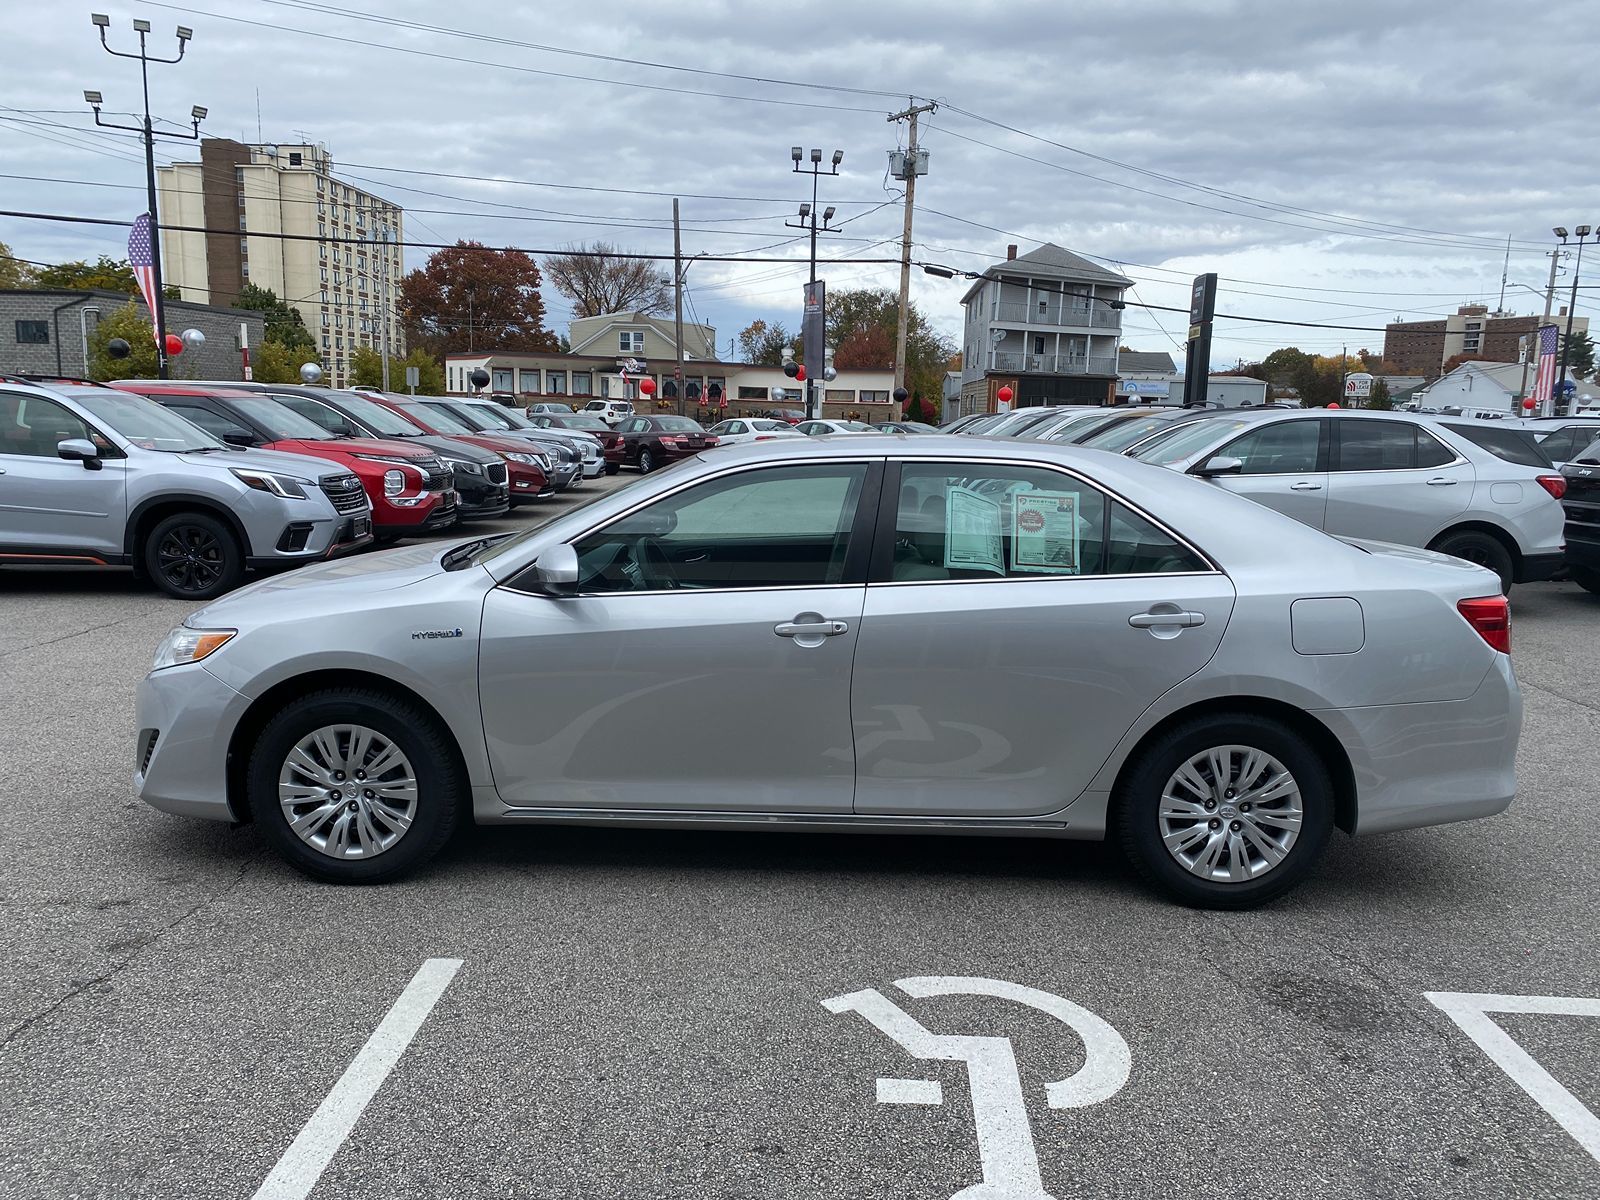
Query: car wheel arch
x: 156, y: 509
x: 1506, y: 539
x: 1321, y: 738
x: 264, y: 707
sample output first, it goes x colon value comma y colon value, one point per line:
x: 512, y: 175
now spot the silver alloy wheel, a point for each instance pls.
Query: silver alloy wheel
x: 347, y: 791
x: 1231, y: 814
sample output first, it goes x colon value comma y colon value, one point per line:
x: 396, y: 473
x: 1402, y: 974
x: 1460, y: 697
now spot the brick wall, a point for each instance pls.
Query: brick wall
x: 65, y: 316
x: 1415, y: 347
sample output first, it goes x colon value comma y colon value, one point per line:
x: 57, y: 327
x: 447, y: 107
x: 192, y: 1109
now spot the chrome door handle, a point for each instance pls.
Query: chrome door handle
x: 1305, y: 487
x: 1441, y: 481
x: 811, y: 628
x: 1148, y: 620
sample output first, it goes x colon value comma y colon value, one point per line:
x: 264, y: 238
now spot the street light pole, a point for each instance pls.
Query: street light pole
x: 808, y: 220
x: 1572, y: 307
x: 148, y: 131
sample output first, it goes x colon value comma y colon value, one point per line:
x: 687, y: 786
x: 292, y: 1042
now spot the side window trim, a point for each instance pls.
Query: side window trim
x: 882, y: 565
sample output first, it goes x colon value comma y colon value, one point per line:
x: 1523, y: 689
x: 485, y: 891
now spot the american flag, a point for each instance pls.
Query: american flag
x: 1545, y: 380
x: 141, y: 257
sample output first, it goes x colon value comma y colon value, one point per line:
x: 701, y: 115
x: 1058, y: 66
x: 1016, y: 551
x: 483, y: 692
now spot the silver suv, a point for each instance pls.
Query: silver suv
x: 98, y: 476
x: 1386, y: 477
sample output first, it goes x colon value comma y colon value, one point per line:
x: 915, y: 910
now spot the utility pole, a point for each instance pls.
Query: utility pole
x: 913, y: 164
x: 677, y: 307
x: 149, y: 133
x: 471, y: 292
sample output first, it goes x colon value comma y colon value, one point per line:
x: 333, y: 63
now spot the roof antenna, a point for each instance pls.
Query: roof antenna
x: 1505, y: 273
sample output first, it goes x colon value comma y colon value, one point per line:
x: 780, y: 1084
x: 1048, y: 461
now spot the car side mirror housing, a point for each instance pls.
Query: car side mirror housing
x: 1218, y: 464
x: 238, y: 437
x: 80, y: 450
x: 557, y: 569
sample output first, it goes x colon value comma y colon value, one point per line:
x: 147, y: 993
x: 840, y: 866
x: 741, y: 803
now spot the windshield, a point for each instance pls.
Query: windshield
x: 1022, y: 424
x: 1121, y: 436
x: 381, y: 421
x: 578, y: 421
x: 515, y: 418
x: 439, y: 418
x: 279, y: 420
x: 768, y: 424
x: 1189, y: 439
x: 492, y: 417
x: 1058, y: 429
x: 465, y: 416
x: 679, y: 425
x: 145, y: 423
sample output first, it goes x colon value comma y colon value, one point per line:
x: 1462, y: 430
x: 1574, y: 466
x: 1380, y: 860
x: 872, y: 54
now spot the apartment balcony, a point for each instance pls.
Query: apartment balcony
x: 1068, y: 316
x: 1055, y: 364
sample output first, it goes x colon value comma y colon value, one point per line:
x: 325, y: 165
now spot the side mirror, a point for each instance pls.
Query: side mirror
x: 238, y: 437
x: 1218, y: 464
x: 557, y: 568
x: 80, y: 450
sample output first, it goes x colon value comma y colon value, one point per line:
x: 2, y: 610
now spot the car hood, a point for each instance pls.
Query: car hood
x: 354, y: 578
x: 387, y: 447
x: 303, y: 465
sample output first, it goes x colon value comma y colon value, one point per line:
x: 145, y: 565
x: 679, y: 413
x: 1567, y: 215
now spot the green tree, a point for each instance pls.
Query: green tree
x: 273, y: 362
x: 1380, y: 397
x: 108, y: 274
x: 762, y: 345
x: 430, y: 375
x: 366, y: 367
x: 862, y: 328
x: 284, y: 324
x: 14, y: 273
x: 129, y: 324
x: 1580, y: 354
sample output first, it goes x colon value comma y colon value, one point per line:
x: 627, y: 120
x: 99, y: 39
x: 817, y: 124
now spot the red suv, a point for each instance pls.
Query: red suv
x: 525, y: 463
x: 411, y: 490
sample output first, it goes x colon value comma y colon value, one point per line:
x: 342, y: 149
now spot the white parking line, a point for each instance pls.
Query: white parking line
x: 302, y: 1164
x: 910, y: 1091
x: 1470, y: 1011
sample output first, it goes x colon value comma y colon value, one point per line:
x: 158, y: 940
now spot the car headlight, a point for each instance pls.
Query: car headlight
x: 394, y: 482
x: 527, y: 459
x: 465, y: 467
x: 289, y: 487
x: 185, y: 645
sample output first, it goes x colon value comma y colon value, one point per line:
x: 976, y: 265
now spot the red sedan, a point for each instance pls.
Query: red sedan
x: 525, y: 463
x: 651, y: 442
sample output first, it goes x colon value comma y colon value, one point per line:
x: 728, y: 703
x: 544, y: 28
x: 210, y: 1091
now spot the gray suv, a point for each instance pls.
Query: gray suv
x: 97, y: 476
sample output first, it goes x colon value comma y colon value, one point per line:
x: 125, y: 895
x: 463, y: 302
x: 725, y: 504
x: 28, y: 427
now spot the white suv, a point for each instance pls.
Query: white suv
x: 610, y: 411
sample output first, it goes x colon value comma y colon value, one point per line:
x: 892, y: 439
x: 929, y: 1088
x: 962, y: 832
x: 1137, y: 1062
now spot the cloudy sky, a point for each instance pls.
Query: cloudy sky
x: 1336, y: 164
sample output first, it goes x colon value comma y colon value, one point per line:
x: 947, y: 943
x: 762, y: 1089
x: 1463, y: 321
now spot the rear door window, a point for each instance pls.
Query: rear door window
x: 1520, y: 446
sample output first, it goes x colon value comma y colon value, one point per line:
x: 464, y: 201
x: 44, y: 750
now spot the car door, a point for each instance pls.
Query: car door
x: 1285, y: 467
x: 703, y: 659
x: 1019, y: 620
x: 1394, y: 481
x: 50, y: 504
x: 631, y: 429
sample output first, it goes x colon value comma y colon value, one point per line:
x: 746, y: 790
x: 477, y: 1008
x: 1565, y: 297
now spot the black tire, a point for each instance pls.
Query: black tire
x: 1587, y: 578
x: 1482, y: 548
x: 193, y: 556
x: 1136, y: 821
x: 612, y: 468
x: 382, y: 539
x: 441, y: 791
x: 647, y: 461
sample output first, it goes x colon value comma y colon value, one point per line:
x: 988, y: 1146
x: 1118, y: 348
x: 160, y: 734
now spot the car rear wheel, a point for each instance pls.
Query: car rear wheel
x: 193, y: 556
x: 355, y: 786
x: 1587, y: 578
x: 1226, y: 812
x: 1480, y: 548
x: 647, y: 462
x: 612, y: 468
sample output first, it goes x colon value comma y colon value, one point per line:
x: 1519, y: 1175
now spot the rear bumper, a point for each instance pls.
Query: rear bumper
x: 1536, y: 568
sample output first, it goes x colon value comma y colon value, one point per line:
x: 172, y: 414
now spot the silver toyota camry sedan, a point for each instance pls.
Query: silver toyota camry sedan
x: 911, y: 634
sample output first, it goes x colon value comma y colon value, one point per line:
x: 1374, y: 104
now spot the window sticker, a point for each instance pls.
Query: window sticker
x: 973, y: 532
x: 1044, y: 532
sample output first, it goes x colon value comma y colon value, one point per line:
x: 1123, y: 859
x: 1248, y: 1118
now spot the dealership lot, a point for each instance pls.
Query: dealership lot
x: 577, y: 1012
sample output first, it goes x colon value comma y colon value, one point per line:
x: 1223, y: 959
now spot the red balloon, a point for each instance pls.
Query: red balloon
x: 1004, y: 394
x: 647, y: 387
x: 1335, y: 404
x: 800, y: 373
x: 1530, y: 403
x: 174, y: 345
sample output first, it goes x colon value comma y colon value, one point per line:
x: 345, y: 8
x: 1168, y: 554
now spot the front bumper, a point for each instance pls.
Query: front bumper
x: 191, y: 715
x: 489, y: 500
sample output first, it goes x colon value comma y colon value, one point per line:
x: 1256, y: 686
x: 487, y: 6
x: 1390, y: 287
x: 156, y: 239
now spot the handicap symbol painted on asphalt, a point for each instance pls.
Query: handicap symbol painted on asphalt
x: 999, y: 1111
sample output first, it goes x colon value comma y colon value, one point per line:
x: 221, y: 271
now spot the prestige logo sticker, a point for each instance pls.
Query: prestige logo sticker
x: 422, y: 635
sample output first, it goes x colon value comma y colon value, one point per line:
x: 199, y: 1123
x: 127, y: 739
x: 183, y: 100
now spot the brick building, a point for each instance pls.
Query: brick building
x: 1423, y: 347
x: 47, y: 332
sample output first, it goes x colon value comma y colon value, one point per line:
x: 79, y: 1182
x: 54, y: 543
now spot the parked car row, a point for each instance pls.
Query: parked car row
x: 191, y: 483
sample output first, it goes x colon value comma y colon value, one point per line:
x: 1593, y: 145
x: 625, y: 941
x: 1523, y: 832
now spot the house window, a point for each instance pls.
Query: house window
x: 324, y: 320
x: 33, y: 333
x: 324, y: 341
x: 583, y: 383
x: 555, y: 383
x: 630, y: 341
x: 840, y: 395
x: 502, y: 379
x: 874, y: 397
x: 244, y: 269
x: 528, y: 380
x: 753, y: 393
x: 295, y: 159
x: 1038, y: 345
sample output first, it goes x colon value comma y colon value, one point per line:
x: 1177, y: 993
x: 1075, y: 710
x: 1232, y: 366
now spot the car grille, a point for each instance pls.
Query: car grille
x: 436, y: 476
x: 496, y: 472
x: 346, y: 493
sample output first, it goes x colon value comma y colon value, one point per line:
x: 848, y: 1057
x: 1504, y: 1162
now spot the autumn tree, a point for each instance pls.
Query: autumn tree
x: 284, y: 324
x: 131, y: 325
x: 1454, y: 361
x: 762, y: 345
x: 862, y: 329
x: 498, y: 288
x: 598, y: 280
x: 14, y: 273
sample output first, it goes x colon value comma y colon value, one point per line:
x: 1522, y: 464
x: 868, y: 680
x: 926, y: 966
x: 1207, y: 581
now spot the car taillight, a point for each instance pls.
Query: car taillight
x: 1556, y: 485
x: 1491, y: 617
x: 670, y: 439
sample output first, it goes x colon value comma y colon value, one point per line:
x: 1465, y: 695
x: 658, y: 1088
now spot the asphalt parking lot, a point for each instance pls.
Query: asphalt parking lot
x: 580, y: 1012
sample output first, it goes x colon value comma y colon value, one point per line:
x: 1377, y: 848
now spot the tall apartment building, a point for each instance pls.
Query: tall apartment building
x: 341, y: 269
x: 1423, y: 347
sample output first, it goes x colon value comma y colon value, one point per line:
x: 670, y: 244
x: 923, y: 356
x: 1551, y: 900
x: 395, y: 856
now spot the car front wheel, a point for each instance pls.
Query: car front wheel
x: 1226, y: 812
x: 355, y: 786
x: 193, y: 556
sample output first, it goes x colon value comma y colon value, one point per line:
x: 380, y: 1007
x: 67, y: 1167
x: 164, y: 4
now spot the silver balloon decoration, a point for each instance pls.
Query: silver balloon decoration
x: 829, y: 373
x: 193, y: 339
x: 310, y: 373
